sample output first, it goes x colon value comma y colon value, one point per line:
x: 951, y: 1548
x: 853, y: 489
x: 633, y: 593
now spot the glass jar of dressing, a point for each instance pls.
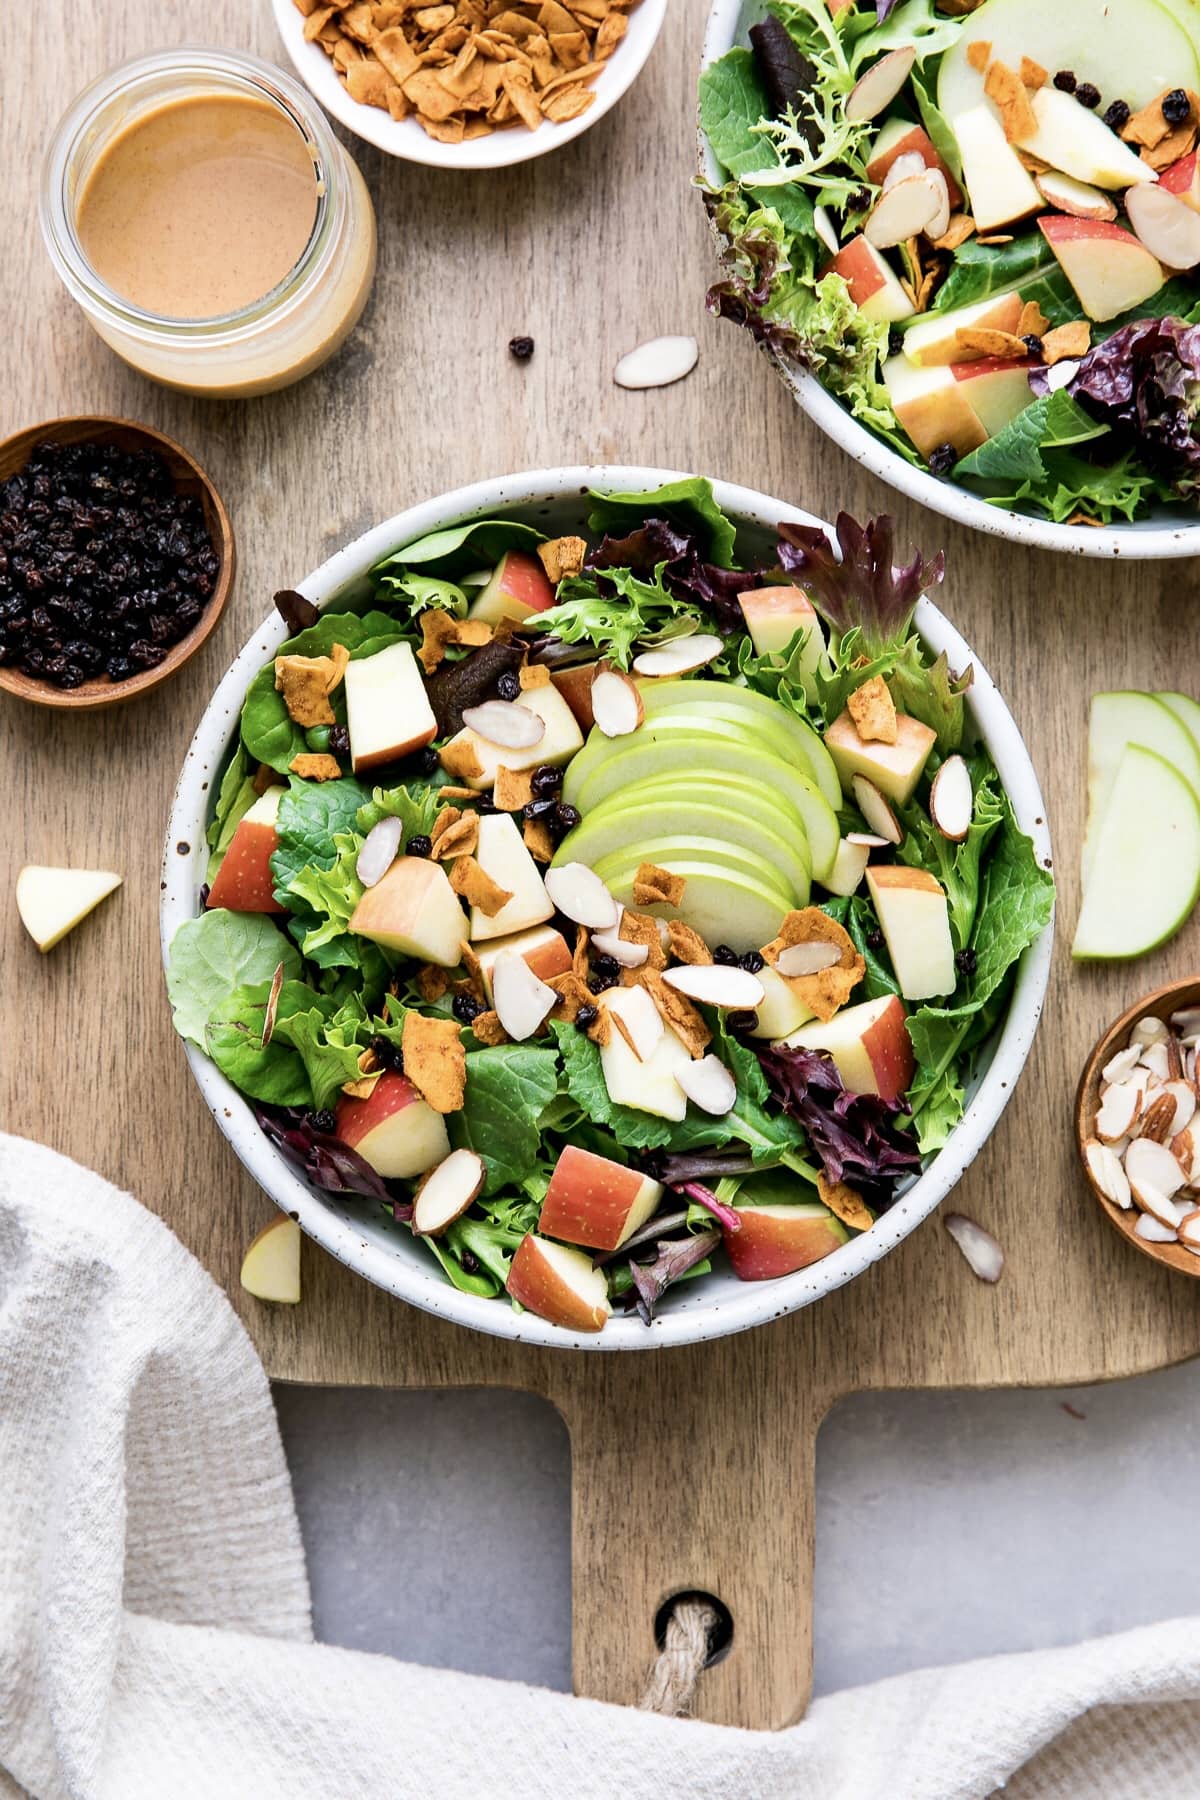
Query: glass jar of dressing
x: 197, y: 206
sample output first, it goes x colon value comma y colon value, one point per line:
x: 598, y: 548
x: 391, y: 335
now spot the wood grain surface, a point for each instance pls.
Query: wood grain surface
x: 692, y: 1468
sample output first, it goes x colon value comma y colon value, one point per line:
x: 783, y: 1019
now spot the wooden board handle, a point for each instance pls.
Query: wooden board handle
x: 667, y: 1500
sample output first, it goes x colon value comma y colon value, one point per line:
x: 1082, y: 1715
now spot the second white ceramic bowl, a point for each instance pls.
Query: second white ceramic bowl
x: 1165, y: 533
x: 356, y: 1230
x: 406, y: 139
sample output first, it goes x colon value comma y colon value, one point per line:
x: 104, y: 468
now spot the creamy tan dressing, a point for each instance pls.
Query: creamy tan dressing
x: 199, y: 208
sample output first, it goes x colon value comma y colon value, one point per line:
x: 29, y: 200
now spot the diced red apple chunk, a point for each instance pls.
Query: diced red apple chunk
x: 502, y: 854
x: 414, y: 910
x: 869, y: 1044
x: 557, y: 744
x: 544, y: 949
x: 518, y: 588
x: 1109, y: 269
x: 596, y: 1202
x: 777, y: 1240
x: 874, y: 288
x: 244, y: 882
x: 899, y: 137
x: 559, y: 1284
x: 914, y: 917
x: 895, y: 768
x: 394, y: 1129
x: 387, y: 709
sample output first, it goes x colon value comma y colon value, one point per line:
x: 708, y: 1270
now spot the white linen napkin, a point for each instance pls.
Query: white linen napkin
x: 155, y: 1629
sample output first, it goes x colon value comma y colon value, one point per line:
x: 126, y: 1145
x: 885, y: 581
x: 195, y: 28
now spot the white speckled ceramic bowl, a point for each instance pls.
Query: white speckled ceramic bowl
x: 355, y: 1230
x: 1166, y: 532
x: 411, y: 142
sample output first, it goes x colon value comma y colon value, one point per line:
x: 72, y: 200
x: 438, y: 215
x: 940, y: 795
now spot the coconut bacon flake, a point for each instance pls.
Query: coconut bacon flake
x: 979, y: 1247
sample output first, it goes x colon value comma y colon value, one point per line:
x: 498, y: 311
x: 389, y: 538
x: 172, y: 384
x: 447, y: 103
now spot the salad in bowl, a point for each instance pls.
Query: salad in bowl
x: 969, y: 235
x: 608, y: 900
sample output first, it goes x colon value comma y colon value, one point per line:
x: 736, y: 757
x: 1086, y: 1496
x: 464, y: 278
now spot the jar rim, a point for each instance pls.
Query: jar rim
x: 234, y: 70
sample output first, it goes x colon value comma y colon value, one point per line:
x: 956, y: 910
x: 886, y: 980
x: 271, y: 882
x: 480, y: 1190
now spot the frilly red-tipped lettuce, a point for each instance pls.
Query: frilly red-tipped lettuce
x: 685, y: 574
x: 854, y: 1135
x: 1144, y: 381
x: 864, y: 589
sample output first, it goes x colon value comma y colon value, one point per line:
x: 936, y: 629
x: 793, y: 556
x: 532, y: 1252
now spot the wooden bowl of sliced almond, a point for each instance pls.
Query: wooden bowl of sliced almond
x: 1138, y: 1122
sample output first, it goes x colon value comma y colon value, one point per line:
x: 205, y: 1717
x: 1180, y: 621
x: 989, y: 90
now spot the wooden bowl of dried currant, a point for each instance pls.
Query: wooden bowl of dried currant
x: 116, y: 560
x: 1138, y: 1125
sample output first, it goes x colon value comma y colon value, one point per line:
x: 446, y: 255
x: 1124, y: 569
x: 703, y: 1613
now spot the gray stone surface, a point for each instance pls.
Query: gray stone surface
x: 948, y: 1525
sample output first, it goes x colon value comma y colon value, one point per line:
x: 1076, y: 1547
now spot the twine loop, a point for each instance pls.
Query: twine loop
x: 671, y: 1687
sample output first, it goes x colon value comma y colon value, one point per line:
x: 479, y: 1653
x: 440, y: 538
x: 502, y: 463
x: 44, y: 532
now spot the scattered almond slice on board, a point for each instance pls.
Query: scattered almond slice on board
x: 52, y: 901
x: 657, y: 363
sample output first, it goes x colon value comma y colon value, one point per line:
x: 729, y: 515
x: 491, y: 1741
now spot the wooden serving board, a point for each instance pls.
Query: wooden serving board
x: 692, y: 1468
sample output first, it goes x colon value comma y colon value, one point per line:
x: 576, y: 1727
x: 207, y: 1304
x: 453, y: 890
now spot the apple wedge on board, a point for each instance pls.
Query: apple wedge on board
x: 1144, y: 875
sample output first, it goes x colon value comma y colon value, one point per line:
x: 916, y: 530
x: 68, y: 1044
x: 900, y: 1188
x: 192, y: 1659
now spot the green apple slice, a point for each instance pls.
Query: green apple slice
x: 1118, y: 720
x: 1130, y: 50
x: 1146, y: 864
x: 804, y: 817
x: 662, y: 754
x: 777, y: 724
x: 723, y: 905
x: 1183, y: 706
x: 666, y: 851
x: 599, y: 750
x: 613, y: 827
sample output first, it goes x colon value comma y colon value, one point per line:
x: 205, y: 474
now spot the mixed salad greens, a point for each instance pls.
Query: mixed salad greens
x: 743, y: 899
x: 978, y: 224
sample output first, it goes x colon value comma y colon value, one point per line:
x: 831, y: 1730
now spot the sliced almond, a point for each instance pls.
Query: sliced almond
x: 1104, y: 1166
x: 680, y: 656
x: 616, y: 704
x: 272, y: 1008
x: 716, y: 984
x: 904, y: 167
x: 1184, y: 1097
x: 1157, y: 1059
x: 379, y: 851
x: 708, y: 1083
x: 876, y: 810
x: 1153, y: 1230
x: 507, y: 723
x: 951, y: 802
x: 940, y: 222
x: 1149, y: 1030
x: 875, y: 91
x: 610, y: 943
x: 1186, y: 1024
x: 1075, y: 197
x: 522, y: 1002
x: 447, y: 1192
x: 903, y: 212
x: 1189, y: 1232
x: 579, y: 892
x: 977, y: 1245
x: 1122, y: 1064
x: 1155, y: 1120
x: 824, y: 227
x: 1153, y: 1174
x: 1120, y: 1107
x: 658, y: 363
x: 1184, y: 1148
x: 1169, y: 229
x: 868, y: 840
x: 807, y: 959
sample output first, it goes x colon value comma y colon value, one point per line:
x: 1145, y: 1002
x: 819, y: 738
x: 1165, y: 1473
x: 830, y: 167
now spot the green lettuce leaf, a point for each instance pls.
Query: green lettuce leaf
x: 331, y: 893
x: 458, y: 550
x: 328, y: 1039
x: 1032, y: 462
x: 733, y: 101
x: 235, y: 796
x: 957, y: 866
x: 213, y: 955
x: 233, y: 1039
x: 508, y: 1088
x: 688, y: 504
x: 1016, y: 453
x: 629, y: 612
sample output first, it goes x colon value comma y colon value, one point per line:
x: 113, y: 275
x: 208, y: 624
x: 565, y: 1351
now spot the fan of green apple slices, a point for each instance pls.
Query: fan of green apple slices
x: 1141, y: 855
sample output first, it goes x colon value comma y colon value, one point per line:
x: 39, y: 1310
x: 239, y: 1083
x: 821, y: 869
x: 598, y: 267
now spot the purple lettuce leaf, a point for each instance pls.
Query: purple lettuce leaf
x: 1144, y: 381
x: 726, y: 1215
x: 864, y: 588
x: 854, y: 1136
x: 323, y: 1158
x: 787, y: 75
x: 675, y: 1257
x: 659, y: 544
